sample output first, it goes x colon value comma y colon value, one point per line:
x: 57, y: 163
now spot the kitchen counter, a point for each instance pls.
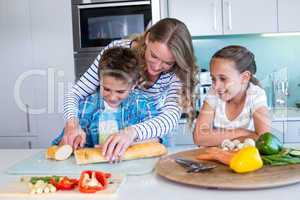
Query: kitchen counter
x: 152, y: 186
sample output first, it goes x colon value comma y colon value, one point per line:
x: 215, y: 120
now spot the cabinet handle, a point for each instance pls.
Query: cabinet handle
x: 27, y: 119
x: 29, y: 145
x: 214, y: 6
x: 228, y: 5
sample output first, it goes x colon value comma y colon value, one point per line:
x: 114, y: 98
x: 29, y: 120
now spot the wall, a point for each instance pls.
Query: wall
x: 272, y: 53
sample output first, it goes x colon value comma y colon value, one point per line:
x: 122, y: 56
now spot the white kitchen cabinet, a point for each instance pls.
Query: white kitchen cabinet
x: 216, y: 17
x: 288, y: 122
x: 292, y: 132
x: 18, y: 142
x: 37, y: 67
x: 278, y: 129
x: 183, y: 134
x: 287, y: 130
x: 288, y: 15
x: 202, y: 17
x: 52, y: 47
x: 15, y: 60
x: 244, y: 16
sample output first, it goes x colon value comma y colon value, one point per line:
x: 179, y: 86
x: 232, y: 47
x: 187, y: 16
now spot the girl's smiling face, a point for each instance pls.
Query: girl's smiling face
x: 227, y: 81
x: 114, y: 90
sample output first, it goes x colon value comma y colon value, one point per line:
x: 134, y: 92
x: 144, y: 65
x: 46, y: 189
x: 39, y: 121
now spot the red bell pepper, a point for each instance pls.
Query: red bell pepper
x: 64, y: 183
x: 101, y: 179
x: 107, y: 175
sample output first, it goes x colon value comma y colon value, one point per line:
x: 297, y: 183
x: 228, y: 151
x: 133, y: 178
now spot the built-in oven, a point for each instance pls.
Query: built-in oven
x: 97, y: 22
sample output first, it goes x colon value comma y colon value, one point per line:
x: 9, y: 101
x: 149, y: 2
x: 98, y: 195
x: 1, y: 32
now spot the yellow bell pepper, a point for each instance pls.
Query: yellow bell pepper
x: 246, y: 160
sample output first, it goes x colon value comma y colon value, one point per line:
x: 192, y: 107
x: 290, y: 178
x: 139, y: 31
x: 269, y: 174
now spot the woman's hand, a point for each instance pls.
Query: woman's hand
x: 116, y: 144
x: 71, y: 131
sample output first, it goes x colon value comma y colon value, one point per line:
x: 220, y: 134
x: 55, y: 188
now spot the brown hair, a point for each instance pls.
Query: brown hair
x: 176, y: 36
x: 243, y: 58
x: 121, y: 63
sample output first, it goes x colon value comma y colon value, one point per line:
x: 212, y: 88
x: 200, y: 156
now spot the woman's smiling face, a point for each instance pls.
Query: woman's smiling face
x: 158, y: 58
x: 227, y: 81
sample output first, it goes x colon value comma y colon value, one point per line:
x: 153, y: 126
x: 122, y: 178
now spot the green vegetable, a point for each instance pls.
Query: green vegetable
x: 295, y: 153
x: 281, y: 158
x: 46, y: 179
x: 268, y: 144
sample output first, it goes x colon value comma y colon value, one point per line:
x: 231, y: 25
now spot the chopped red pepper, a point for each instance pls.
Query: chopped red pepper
x: 64, y: 183
x: 93, y: 181
x: 107, y: 175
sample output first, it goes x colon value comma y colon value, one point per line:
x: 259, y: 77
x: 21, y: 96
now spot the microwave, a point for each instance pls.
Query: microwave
x: 98, y: 22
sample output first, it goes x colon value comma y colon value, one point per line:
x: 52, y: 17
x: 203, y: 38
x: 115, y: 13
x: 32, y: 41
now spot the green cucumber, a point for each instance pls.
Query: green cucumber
x: 295, y: 153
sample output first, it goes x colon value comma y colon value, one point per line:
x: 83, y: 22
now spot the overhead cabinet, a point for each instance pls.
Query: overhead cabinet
x: 217, y: 17
x: 202, y: 17
x: 288, y: 15
x: 244, y: 16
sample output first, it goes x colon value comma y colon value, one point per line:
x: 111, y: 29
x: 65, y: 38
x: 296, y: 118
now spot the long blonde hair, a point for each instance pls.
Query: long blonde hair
x: 176, y: 36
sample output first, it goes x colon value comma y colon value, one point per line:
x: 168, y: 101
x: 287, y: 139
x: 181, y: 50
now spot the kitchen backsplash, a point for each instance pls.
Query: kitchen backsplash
x: 271, y: 53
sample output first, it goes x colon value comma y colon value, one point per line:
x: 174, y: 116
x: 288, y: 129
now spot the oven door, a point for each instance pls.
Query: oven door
x: 98, y: 24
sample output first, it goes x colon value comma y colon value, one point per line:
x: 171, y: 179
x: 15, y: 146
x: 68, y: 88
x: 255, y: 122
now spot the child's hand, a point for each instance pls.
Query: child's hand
x: 71, y: 131
x: 116, y: 144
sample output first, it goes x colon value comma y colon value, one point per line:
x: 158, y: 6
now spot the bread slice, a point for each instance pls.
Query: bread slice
x: 142, y: 150
x: 62, y: 152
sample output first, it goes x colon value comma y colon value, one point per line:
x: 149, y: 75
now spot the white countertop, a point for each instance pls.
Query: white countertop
x: 154, y: 187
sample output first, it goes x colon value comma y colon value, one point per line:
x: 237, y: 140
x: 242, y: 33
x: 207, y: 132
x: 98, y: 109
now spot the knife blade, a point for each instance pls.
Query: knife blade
x: 193, y: 166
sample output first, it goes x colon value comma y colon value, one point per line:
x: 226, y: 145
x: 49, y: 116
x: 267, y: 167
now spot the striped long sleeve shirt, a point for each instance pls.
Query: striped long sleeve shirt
x: 165, y: 92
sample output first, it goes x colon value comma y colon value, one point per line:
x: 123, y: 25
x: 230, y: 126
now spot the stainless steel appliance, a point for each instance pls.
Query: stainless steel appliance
x: 98, y: 22
x: 203, y: 87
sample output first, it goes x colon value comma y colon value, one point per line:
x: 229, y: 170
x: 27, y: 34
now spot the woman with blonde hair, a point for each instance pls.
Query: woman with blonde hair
x: 168, y: 72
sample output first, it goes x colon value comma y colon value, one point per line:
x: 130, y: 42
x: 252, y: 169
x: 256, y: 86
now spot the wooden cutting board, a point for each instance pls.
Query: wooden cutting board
x: 21, y: 189
x: 223, y: 177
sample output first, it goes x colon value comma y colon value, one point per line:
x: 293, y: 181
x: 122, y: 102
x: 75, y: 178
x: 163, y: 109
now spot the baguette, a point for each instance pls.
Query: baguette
x: 142, y: 150
x: 62, y: 152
